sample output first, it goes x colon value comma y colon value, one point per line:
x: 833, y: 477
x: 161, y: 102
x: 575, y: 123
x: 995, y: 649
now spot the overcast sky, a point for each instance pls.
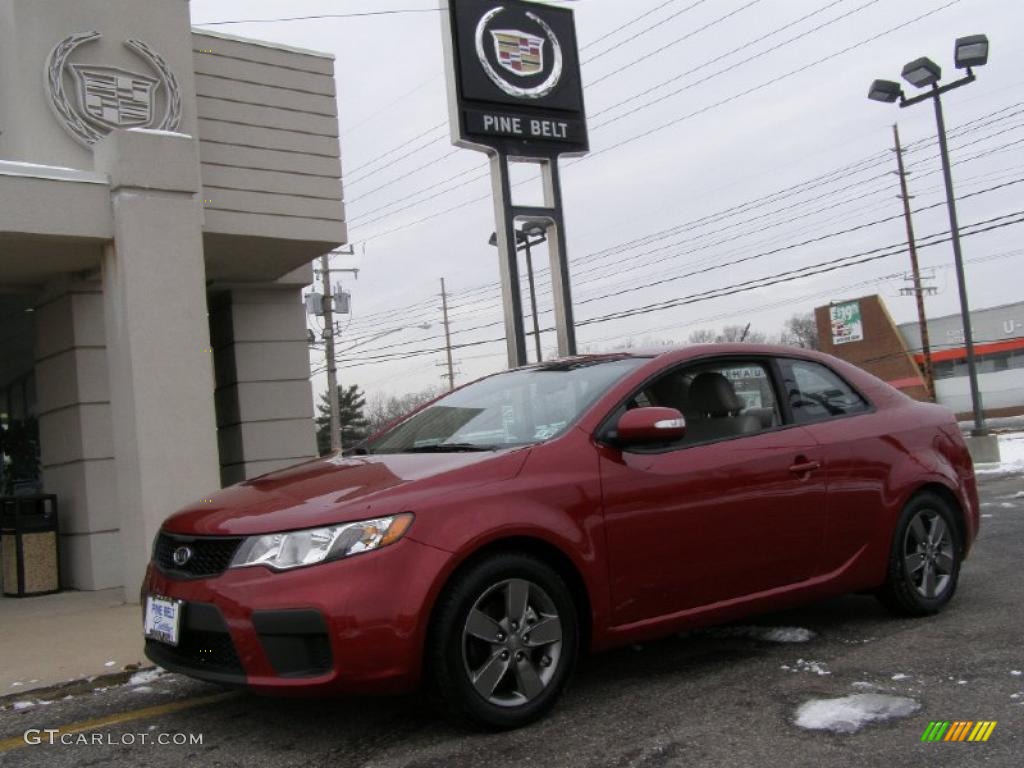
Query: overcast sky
x: 747, y: 98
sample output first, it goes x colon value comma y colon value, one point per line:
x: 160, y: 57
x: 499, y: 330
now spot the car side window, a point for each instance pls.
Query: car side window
x: 719, y: 400
x: 814, y: 392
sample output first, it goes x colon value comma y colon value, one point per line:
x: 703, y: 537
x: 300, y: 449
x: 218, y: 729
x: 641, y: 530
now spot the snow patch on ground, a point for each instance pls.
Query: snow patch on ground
x: 109, y: 663
x: 851, y: 713
x: 900, y: 676
x: 1011, y: 457
x: 766, y: 634
x: 146, y: 676
x: 1019, y: 495
x: 801, y: 665
x: 1007, y: 505
x: 1015, y: 672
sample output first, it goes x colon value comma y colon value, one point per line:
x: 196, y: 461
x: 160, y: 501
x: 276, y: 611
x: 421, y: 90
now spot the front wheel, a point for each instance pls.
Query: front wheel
x: 924, y: 563
x: 504, y: 642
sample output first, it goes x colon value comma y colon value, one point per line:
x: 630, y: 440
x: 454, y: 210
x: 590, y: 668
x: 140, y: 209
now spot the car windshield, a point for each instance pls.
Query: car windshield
x: 515, y: 408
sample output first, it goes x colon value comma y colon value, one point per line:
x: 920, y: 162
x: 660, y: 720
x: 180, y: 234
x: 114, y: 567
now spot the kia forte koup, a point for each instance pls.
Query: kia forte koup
x: 479, y: 546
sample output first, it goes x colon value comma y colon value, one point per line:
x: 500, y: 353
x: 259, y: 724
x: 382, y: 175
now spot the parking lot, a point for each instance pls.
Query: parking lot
x: 722, y: 697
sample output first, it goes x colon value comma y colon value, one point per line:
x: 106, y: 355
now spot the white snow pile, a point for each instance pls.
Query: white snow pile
x: 801, y: 665
x: 851, y: 713
x: 1011, y: 457
x: 900, y: 676
x: 765, y: 634
x: 146, y: 676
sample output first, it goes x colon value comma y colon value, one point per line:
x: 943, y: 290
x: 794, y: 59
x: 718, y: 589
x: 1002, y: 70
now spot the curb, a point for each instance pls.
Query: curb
x: 72, y: 687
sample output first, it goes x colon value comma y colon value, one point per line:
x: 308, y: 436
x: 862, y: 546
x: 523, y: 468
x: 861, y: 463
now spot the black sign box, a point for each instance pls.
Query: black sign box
x: 514, y: 77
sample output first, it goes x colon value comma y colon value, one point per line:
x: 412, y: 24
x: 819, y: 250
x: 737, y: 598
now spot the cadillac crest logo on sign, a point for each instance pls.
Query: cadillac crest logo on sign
x: 521, y: 54
x: 107, y: 98
x: 518, y: 52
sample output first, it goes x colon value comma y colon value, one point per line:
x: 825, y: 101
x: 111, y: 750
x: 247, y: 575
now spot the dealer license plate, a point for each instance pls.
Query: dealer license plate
x: 163, y: 619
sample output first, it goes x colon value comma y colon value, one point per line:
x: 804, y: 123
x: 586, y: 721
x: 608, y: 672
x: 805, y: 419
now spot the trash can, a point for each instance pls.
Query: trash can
x: 29, y: 542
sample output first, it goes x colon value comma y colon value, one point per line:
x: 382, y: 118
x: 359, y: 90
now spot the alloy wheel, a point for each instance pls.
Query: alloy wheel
x: 512, y: 642
x: 928, y: 553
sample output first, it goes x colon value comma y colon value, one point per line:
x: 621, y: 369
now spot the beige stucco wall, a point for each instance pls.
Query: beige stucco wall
x: 126, y: 242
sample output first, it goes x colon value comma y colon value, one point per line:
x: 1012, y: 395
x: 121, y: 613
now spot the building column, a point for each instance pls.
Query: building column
x: 264, y: 400
x: 75, y: 432
x: 158, y: 348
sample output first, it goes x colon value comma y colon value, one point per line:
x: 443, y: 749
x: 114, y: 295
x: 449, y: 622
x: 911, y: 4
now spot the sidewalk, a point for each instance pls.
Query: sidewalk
x: 53, y: 639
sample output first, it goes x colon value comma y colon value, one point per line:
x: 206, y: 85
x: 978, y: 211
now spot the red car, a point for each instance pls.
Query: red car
x: 481, y: 544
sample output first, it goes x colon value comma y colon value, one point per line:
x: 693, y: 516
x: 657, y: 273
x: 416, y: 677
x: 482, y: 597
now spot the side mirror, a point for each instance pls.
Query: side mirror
x: 650, y: 425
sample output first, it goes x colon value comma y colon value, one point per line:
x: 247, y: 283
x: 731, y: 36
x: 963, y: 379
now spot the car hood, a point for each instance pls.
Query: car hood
x: 341, y: 489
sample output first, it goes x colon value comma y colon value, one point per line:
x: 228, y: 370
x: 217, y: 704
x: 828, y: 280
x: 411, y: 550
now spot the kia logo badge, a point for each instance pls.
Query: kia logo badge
x: 182, y: 555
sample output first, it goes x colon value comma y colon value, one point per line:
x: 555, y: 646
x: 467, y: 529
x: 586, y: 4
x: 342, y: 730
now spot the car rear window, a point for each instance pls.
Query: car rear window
x: 815, y: 392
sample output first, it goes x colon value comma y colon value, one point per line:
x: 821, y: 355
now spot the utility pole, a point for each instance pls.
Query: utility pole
x: 329, y: 345
x: 447, y: 336
x: 332, y: 364
x: 922, y: 320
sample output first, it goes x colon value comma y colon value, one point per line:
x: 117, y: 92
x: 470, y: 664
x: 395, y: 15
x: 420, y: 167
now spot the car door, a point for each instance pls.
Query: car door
x: 858, y: 449
x: 711, y: 518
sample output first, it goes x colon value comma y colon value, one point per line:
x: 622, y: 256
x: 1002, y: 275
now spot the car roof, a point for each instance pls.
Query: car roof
x: 688, y: 351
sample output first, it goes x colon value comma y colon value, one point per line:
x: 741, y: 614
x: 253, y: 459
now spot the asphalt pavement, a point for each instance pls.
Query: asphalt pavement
x: 713, y: 698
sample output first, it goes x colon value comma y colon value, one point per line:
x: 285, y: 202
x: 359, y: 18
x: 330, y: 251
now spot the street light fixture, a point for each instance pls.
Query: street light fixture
x: 971, y: 51
x: 885, y: 90
x: 922, y: 72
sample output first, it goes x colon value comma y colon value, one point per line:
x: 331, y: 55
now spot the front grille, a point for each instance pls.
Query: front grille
x: 210, y: 555
x: 204, y: 648
x: 199, y: 651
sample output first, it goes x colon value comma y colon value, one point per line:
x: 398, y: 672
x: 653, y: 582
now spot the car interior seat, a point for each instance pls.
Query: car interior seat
x: 717, y: 410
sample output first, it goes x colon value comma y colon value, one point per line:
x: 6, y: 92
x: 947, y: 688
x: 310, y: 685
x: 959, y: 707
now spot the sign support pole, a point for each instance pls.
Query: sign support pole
x: 561, y: 284
x: 508, y: 261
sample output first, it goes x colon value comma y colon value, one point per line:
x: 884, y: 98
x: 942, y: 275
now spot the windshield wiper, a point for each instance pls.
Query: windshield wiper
x: 448, y: 448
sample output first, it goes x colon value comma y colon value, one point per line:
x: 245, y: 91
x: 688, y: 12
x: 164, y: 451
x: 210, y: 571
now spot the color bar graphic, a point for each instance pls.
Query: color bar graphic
x: 958, y: 730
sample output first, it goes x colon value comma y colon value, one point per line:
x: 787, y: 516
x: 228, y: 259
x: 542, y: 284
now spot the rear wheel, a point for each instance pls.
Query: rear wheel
x: 924, y: 563
x: 504, y: 642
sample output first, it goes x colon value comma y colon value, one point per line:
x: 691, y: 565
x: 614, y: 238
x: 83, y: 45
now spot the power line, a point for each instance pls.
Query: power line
x: 677, y: 120
x: 427, y: 165
x: 812, y: 270
x: 645, y: 30
x: 808, y: 185
x: 320, y: 16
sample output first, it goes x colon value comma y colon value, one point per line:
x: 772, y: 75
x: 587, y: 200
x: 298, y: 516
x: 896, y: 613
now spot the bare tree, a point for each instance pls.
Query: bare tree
x: 383, y: 409
x: 701, y: 336
x: 801, y: 330
x: 729, y: 333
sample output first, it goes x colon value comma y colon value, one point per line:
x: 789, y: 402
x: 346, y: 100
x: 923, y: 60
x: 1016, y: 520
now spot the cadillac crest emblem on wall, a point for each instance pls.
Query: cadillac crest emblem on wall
x: 110, y: 97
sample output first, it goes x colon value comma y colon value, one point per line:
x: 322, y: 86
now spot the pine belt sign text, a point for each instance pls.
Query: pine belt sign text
x: 514, y: 78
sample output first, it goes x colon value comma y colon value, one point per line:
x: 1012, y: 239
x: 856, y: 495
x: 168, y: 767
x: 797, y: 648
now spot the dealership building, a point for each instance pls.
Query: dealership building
x: 163, y: 192
x: 862, y: 332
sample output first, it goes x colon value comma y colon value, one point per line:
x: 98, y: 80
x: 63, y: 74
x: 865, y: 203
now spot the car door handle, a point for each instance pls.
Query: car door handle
x: 802, y: 467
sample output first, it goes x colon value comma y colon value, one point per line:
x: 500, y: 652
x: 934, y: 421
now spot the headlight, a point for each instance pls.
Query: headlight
x: 295, y: 549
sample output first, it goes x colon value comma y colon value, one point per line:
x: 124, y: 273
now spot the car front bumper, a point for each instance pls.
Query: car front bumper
x: 351, y: 626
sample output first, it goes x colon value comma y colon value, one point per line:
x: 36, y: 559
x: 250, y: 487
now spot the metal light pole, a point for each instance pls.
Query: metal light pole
x: 523, y: 239
x: 922, y: 73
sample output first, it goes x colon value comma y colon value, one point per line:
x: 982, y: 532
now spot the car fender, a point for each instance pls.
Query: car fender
x: 519, y: 521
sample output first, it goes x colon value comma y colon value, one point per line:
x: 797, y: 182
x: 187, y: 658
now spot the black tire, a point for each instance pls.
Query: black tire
x: 906, y: 590
x: 455, y: 652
